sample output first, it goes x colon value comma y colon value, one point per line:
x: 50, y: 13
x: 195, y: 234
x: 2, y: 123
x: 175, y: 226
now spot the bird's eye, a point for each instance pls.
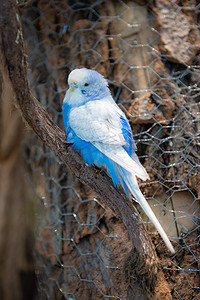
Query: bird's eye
x: 86, y: 84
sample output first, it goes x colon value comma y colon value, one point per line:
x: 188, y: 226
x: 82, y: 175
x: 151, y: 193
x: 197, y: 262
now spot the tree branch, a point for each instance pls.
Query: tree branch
x: 39, y: 120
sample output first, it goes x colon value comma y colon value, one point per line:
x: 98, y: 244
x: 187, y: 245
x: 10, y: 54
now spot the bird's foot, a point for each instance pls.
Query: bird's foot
x: 67, y: 144
x: 100, y: 170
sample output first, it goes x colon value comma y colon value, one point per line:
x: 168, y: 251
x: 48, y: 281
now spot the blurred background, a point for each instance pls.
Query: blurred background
x: 58, y: 240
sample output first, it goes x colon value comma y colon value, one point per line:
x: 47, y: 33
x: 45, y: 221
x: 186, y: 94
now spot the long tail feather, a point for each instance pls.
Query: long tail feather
x: 132, y: 185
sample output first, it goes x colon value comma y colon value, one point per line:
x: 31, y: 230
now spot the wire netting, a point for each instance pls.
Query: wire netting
x: 149, y: 52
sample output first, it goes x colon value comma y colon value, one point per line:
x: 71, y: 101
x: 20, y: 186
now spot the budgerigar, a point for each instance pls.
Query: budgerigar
x: 100, y: 131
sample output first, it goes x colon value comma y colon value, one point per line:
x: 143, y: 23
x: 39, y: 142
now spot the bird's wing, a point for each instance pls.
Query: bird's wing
x: 99, y: 123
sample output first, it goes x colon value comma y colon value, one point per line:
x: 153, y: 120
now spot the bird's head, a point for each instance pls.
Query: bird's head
x: 85, y: 85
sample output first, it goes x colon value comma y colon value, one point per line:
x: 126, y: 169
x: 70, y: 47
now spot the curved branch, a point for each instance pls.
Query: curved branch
x: 54, y: 138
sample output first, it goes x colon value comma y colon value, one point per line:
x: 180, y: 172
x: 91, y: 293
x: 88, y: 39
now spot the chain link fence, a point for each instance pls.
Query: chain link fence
x: 149, y: 52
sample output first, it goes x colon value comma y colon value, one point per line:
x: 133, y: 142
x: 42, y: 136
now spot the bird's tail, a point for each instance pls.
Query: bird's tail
x: 129, y: 180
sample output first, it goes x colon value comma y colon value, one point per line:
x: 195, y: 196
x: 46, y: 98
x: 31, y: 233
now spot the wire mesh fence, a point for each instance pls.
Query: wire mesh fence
x: 149, y: 52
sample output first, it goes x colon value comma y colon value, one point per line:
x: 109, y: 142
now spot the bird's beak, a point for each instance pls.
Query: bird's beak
x: 73, y: 86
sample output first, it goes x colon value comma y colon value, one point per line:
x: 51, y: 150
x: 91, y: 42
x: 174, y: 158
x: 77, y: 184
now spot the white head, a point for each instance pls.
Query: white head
x: 85, y: 85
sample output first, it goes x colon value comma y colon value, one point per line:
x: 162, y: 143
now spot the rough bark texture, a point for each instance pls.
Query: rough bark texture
x: 177, y: 30
x: 144, y: 257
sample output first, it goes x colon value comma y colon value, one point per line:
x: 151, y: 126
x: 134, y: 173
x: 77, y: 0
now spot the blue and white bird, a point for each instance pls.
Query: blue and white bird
x: 100, y: 131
